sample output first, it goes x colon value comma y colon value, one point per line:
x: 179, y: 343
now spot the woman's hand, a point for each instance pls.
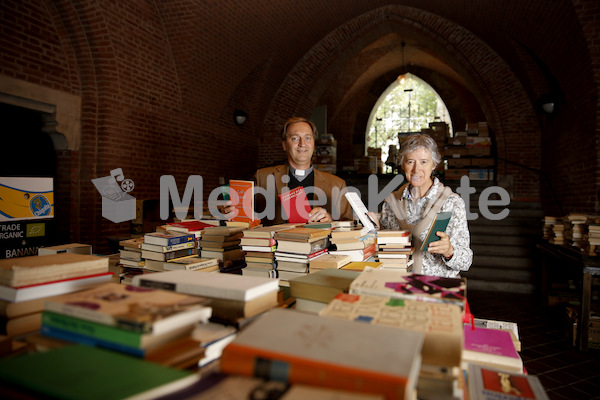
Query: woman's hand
x: 442, y: 246
x: 319, y: 214
x: 227, y: 210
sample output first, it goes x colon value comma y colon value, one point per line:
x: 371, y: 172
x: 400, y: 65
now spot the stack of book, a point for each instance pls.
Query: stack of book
x: 314, y: 291
x: 394, y: 249
x: 574, y: 232
x: 213, y: 337
x: 189, y: 226
x: 593, y: 236
x: 548, y: 222
x: 358, y: 243
x: 162, y: 246
x: 296, y: 247
x: 259, y: 247
x: 301, y: 348
x: 441, y: 323
x: 192, y: 263
x: 222, y: 243
x: 124, y: 318
x: 130, y: 258
x: 233, y: 298
x: 26, y: 282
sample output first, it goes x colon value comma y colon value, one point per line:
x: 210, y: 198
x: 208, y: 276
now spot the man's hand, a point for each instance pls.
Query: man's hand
x: 442, y: 246
x: 319, y: 214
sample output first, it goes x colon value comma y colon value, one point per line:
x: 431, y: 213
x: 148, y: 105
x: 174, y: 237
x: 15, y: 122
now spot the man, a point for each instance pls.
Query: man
x: 298, y: 141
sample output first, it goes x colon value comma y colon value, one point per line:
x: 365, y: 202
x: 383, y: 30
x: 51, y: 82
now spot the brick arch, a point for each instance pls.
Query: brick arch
x: 503, y: 99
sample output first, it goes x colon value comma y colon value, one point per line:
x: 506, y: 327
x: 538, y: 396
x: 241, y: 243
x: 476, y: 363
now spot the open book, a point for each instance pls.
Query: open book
x: 360, y: 210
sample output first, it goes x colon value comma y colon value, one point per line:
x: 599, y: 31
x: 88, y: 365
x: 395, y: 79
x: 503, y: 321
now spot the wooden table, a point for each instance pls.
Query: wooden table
x: 571, y: 261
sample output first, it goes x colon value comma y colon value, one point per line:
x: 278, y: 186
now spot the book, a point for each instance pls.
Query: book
x: 268, y: 231
x: 76, y: 248
x: 298, y: 257
x: 248, y: 241
x: 192, y: 263
x: 133, y: 243
x: 358, y: 255
x: 439, y: 224
x: 83, y: 331
x: 322, y: 285
x: 220, y: 238
x: 188, y: 226
x: 232, y: 310
x: 166, y: 256
x: 298, y: 347
x: 302, y: 248
x: 361, y: 211
x: 351, y: 233
x: 361, y: 265
x: 441, y: 323
x: 301, y: 234
x: 31, y: 270
x: 295, y: 204
x: 293, y: 266
x: 491, y: 347
x: 223, y: 256
x: 221, y: 286
x: 511, y: 327
x: 134, y: 308
x: 226, y: 245
x: 242, y: 196
x: 326, y: 261
x: 264, y: 249
x: 42, y: 290
x: 69, y: 372
x: 405, y: 285
x: 20, y: 325
x: 164, y: 249
x: 487, y: 383
x: 168, y: 238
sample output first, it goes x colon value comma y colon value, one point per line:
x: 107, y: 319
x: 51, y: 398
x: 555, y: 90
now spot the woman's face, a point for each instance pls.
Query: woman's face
x: 418, y: 167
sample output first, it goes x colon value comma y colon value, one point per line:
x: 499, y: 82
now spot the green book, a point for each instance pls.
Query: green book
x: 440, y: 223
x: 81, y: 372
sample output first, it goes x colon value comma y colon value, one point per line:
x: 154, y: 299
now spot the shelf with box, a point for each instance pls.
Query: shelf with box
x: 469, y: 153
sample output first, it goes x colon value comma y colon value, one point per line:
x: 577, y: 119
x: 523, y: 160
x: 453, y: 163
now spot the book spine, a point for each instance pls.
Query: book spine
x: 70, y: 336
x: 91, y: 329
x: 158, y: 285
x: 240, y: 360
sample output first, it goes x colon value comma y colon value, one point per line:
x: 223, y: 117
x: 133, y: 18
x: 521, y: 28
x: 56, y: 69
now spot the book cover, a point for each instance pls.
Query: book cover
x: 326, y: 261
x: 42, y: 290
x: 188, y: 226
x: 301, y: 234
x: 192, y: 263
x: 168, y: 238
x: 223, y: 286
x: 166, y: 256
x: 268, y: 231
x: 439, y: 224
x: 295, y: 204
x: 82, y: 331
x: 441, y: 323
x: 245, y: 199
x: 70, y: 371
x: 488, y: 383
x: 130, y: 307
x: 358, y: 255
x: 361, y: 265
x: 406, y: 285
x: 491, y: 347
x: 31, y: 270
x: 322, y: 285
x: 303, y: 348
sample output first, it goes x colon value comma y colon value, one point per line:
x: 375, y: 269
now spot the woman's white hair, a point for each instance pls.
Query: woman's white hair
x: 417, y: 141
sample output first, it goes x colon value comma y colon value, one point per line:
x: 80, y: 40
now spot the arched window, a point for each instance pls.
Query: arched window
x: 406, y: 106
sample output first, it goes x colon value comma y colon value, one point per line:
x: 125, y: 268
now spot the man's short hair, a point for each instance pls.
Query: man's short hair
x: 294, y: 120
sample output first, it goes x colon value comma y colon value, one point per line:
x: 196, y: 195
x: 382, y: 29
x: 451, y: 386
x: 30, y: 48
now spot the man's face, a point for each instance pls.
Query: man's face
x: 299, y: 145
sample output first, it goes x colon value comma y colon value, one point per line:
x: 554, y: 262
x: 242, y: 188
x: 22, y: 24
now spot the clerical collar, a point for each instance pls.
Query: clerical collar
x: 300, y: 174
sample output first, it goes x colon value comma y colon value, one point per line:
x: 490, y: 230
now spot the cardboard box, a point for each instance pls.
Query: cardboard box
x: 456, y: 173
x: 75, y: 248
x: 331, y: 168
x: 479, y: 151
x: 456, y: 152
x: 460, y: 141
x: 26, y: 198
x: 459, y: 162
x: 475, y: 141
x: 482, y: 162
x: 325, y: 160
x: 478, y: 174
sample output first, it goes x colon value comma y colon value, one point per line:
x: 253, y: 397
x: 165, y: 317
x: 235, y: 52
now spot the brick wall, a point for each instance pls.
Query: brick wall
x: 159, y: 82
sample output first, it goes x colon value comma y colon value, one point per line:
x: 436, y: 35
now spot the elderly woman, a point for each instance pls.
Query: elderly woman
x: 414, y: 206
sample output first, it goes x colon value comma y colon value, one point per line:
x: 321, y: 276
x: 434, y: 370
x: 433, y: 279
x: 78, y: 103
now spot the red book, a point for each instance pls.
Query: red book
x: 244, y: 201
x: 296, y: 206
x: 188, y: 226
